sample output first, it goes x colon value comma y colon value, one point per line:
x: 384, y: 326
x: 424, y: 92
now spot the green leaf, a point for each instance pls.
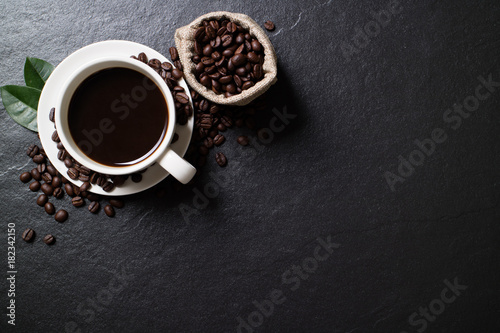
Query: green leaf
x: 36, y: 72
x: 21, y: 104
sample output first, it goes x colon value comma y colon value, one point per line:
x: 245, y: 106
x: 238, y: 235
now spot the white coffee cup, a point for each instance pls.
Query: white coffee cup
x: 163, y: 155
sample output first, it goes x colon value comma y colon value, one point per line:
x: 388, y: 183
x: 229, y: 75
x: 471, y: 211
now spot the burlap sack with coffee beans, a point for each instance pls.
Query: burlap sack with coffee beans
x: 184, y: 41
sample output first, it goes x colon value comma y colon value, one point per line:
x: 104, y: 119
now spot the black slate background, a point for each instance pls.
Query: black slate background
x: 323, y: 175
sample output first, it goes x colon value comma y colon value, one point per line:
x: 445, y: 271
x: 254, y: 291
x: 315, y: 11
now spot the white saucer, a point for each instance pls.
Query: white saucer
x: 51, y: 90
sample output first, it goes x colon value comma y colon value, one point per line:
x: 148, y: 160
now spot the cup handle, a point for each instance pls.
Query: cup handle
x: 178, y: 167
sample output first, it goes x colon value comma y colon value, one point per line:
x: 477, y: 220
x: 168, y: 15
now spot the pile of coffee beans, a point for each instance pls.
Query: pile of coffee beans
x: 228, y: 59
x: 46, y: 178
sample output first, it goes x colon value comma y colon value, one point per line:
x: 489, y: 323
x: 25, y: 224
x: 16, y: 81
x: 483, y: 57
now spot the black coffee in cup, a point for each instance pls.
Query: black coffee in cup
x: 118, y: 117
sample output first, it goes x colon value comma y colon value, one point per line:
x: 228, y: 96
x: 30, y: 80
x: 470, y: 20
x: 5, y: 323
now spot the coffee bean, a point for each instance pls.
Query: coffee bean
x: 69, y: 189
x: 32, y: 150
x: 119, y: 181
x: 46, y: 177
x: 85, y: 186
x: 55, y: 137
x: 209, y: 142
x: 47, y: 189
x: 243, y: 140
x: 62, y: 154
x: 116, y: 203
x: 68, y: 163
x: 35, y: 186
x: 109, y: 210
x: 41, y: 168
x: 108, y: 186
x: 221, y: 159
x: 269, y: 25
x: 94, y: 207
x: 76, y: 190
x: 142, y: 57
x: 77, y: 201
x: 101, y: 180
x: 178, y: 64
x: 136, y: 177
x: 42, y: 200
x: 94, y: 178
x: 56, y: 182
x: 174, y: 55
x: 219, y: 139
x: 28, y: 235
x: 52, y: 113
x: 256, y: 46
x: 221, y: 127
x: 39, y: 159
x: 83, y: 178
x: 73, y: 173
x: 63, y: 179
x: 25, y: 177
x: 51, y: 170
x: 49, y: 239
x: 49, y: 208
x: 177, y: 74
x: 182, y: 98
x: 58, y: 193
x: 93, y: 197
x: 60, y: 145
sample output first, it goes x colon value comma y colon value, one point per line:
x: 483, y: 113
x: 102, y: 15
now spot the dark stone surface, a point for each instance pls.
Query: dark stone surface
x: 147, y: 270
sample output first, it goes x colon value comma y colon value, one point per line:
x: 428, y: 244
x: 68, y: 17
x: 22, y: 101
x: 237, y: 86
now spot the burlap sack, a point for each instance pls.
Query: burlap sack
x: 184, y: 40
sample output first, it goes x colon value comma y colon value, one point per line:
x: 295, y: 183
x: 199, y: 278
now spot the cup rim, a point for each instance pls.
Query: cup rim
x: 70, y: 86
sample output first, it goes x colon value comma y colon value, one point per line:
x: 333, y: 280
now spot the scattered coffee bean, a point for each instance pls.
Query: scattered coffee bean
x: 77, y: 201
x: 221, y: 159
x: 41, y: 168
x: 56, y: 182
x: 55, y: 137
x: 119, y: 181
x: 42, y: 200
x: 116, y: 203
x: 48, y: 239
x: 93, y: 196
x: 38, y: 159
x: 136, y: 177
x: 35, y: 186
x: 46, y: 177
x: 243, y: 140
x: 69, y: 189
x: 36, y: 174
x: 49, y: 208
x: 52, y: 113
x: 61, y: 215
x: 58, y: 193
x: 68, y: 163
x: 25, y: 177
x: 32, y: 150
x: 28, y: 235
x: 51, y: 170
x: 85, y: 186
x: 109, y: 210
x: 174, y: 55
x: 108, y: 186
x: 47, y: 189
x: 219, y: 139
x: 94, y: 207
x: 73, y: 173
x: 269, y: 25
